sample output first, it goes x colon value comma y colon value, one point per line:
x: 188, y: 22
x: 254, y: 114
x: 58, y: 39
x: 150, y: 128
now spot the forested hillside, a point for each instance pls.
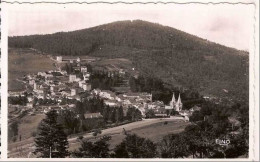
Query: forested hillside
x: 178, y: 58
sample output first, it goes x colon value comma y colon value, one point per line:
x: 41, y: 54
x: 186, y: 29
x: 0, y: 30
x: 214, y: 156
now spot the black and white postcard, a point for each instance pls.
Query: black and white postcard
x: 128, y: 80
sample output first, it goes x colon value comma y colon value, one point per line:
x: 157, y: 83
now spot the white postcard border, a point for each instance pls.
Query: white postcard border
x: 253, y: 90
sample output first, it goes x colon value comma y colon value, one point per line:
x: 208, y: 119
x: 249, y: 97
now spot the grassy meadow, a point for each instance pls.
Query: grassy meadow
x: 25, y: 61
x: 154, y: 130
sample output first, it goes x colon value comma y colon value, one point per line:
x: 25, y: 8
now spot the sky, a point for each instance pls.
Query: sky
x: 229, y: 25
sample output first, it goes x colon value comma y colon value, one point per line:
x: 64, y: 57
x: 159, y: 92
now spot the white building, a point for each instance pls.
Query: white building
x: 72, y: 78
x: 121, y: 71
x: 92, y: 115
x: 41, y: 74
x: 86, y: 78
x: 107, y: 94
x: 86, y: 86
x: 31, y: 82
x: 73, y: 92
x: 48, y: 76
x: 167, y: 107
x: 86, y: 75
x: 30, y: 98
x: 59, y: 58
x: 96, y: 91
x: 29, y: 105
x: 36, y: 86
x: 41, y: 96
x: 83, y: 69
x: 110, y: 103
x: 119, y: 98
x: 127, y: 102
x: 81, y: 83
x: 78, y: 79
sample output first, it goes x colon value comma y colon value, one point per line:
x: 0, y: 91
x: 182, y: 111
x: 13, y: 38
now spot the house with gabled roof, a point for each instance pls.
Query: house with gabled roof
x: 107, y: 94
x: 92, y: 115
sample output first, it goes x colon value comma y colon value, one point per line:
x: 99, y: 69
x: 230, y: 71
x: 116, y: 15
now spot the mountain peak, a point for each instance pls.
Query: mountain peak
x: 175, y: 56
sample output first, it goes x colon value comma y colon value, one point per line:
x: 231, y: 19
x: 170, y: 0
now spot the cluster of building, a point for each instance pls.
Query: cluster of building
x: 143, y: 102
x: 57, y: 85
x: 126, y: 100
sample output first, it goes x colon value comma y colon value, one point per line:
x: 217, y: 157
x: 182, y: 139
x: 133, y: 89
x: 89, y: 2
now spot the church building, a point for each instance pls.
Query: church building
x: 176, y: 105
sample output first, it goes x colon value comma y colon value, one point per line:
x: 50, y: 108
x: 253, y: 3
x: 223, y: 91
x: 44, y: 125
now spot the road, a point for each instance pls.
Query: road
x: 127, y: 127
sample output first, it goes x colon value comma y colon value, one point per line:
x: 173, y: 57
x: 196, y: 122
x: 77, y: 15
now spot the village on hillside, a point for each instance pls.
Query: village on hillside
x: 96, y: 98
x: 55, y: 86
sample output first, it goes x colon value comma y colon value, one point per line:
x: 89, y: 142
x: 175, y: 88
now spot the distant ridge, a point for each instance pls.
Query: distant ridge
x: 176, y: 57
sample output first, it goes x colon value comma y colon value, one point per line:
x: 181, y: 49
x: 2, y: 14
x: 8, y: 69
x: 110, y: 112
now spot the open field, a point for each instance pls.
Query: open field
x: 25, y: 61
x: 114, y: 64
x: 154, y: 129
x: 29, y: 124
x: 154, y: 132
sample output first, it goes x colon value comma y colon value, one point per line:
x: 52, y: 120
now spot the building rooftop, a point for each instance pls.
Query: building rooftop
x: 92, y: 115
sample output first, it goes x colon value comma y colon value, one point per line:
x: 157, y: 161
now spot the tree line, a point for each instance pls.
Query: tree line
x: 197, y: 140
x: 51, y: 142
x: 18, y: 100
x: 105, y: 80
x: 74, y: 120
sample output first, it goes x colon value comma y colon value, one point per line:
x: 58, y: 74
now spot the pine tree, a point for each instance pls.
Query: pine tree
x: 134, y: 146
x: 98, y: 149
x: 51, y: 140
x: 105, y: 113
x: 116, y: 112
x: 113, y: 115
x: 121, y: 114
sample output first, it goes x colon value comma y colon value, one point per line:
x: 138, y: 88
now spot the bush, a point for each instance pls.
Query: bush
x: 96, y: 132
x: 174, y: 112
x: 80, y: 137
x: 33, y: 134
x: 134, y: 146
x: 13, y: 130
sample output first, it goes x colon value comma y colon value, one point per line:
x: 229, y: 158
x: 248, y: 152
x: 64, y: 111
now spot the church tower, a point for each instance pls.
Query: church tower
x: 178, y: 106
x: 173, y: 101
